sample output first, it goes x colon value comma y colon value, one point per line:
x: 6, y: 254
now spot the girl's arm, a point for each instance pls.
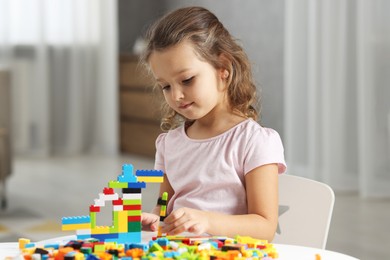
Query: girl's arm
x: 260, y: 222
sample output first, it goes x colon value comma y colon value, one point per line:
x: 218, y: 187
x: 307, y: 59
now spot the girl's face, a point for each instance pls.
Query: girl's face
x: 191, y: 86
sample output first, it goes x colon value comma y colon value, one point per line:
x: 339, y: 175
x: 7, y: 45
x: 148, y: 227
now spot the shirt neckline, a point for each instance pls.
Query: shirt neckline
x: 183, y: 132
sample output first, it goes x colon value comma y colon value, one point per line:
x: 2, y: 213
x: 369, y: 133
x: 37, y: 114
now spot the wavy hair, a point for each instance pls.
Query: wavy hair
x: 210, y: 40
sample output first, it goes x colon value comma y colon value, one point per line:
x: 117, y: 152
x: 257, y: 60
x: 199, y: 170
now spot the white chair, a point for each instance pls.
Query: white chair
x: 305, y: 212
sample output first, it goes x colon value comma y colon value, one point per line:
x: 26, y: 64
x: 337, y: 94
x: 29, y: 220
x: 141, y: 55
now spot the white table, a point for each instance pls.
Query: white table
x: 286, y: 252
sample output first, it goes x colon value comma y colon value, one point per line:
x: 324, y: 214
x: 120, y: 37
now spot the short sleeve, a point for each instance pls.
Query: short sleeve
x: 264, y: 147
x: 160, y: 151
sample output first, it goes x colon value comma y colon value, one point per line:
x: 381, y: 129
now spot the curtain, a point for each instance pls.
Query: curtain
x: 62, y: 56
x: 337, y: 93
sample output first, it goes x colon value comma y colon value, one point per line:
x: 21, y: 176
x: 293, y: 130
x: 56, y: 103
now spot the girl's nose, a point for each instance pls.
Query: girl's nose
x: 177, y: 94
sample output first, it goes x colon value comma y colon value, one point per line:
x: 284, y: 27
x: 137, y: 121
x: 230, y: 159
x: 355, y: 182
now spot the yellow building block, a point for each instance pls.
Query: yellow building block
x: 67, y: 227
x: 122, y: 222
x: 150, y: 179
x: 100, y: 230
x: 23, y: 242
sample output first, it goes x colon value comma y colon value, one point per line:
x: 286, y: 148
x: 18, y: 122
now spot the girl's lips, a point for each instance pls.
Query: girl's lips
x: 184, y: 106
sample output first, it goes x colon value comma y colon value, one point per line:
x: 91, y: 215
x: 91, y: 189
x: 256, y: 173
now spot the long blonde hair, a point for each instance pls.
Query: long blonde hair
x: 210, y: 40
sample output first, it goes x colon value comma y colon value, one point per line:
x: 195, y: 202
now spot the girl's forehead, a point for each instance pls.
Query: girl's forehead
x: 182, y: 48
x: 179, y: 55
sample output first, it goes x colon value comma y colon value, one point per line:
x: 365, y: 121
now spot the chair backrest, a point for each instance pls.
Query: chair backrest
x: 305, y: 212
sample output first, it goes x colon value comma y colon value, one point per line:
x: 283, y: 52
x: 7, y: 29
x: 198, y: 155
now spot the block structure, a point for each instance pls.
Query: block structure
x: 126, y: 209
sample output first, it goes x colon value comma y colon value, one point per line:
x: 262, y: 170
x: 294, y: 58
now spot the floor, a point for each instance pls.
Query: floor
x: 41, y: 191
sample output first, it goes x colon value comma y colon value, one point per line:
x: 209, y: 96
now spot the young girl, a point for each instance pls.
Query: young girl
x: 220, y: 166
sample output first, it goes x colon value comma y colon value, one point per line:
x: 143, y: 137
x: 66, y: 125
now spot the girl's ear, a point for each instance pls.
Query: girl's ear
x: 224, y: 74
x: 226, y: 66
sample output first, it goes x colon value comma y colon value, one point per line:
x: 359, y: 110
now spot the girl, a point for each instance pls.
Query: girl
x: 220, y: 166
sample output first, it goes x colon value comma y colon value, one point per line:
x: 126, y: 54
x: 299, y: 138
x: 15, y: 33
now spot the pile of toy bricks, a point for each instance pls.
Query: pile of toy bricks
x: 158, y: 248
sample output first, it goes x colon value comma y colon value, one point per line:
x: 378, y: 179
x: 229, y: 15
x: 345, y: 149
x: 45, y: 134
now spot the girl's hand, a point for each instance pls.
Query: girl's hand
x: 149, y: 221
x: 186, y: 220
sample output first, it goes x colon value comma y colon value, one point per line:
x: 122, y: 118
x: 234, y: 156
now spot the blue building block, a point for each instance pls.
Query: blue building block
x: 111, y: 237
x: 133, y: 237
x: 150, y: 173
x: 55, y: 246
x: 127, y: 174
x: 136, y: 185
x: 76, y: 220
x: 142, y: 246
x: 162, y: 241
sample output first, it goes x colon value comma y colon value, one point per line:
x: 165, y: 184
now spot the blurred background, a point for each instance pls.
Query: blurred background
x: 74, y: 105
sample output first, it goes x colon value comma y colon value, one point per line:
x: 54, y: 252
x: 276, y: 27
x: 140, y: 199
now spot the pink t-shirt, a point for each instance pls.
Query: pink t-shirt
x: 208, y: 174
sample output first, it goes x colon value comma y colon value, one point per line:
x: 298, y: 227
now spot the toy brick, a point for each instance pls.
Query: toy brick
x: 94, y: 208
x: 29, y: 245
x: 134, y: 213
x: 117, y: 184
x: 117, y: 208
x: 134, y: 218
x: 127, y: 174
x: 119, y: 201
x: 108, y: 197
x: 135, y: 237
x: 154, y: 246
x: 122, y: 222
x: 134, y: 226
x: 99, y: 203
x: 136, y: 185
x: 92, y: 216
x: 132, y: 207
x: 131, y: 190
x: 67, y: 227
x: 99, y: 248
x: 142, y: 246
x: 108, y: 190
x: 132, y: 202
x: 113, y: 230
x: 23, y: 242
x: 132, y: 196
x: 152, y: 173
x: 162, y: 241
x: 100, y: 230
x: 163, y: 212
x: 151, y: 179
x: 162, y: 202
x: 76, y: 220
x: 127, y: 169
x: 115, y: 222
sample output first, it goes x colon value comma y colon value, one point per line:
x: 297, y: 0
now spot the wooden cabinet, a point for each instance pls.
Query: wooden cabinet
x: 139, y: 109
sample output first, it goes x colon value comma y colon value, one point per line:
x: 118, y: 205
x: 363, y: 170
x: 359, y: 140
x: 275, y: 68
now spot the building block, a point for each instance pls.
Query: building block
x: 151, y: 173
x: 132, y: 196
x: 117, y: 184
x: 23, y: 242
x: 76, y: 220
x: 151, y: 179
x: 126, y: 208
x: 163, y: 211
x: 108, y: 190
x: 94, y: 208
x: 127, y: 174
x: 132, y: 202
x: 100, y: 230
x: 68, y: 227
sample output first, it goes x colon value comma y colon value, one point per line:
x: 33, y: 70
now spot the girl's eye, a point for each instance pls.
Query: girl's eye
x: 187, y: 81
x: 165, y: 87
